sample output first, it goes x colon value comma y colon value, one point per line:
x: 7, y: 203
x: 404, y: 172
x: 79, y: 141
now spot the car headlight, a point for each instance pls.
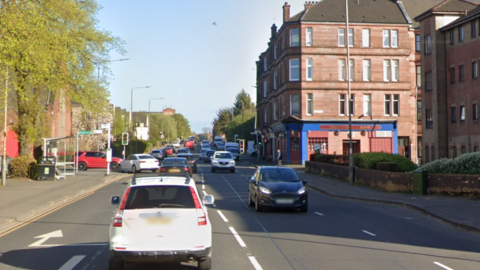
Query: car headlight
x: 214, y: 162
x: 232, y: 162
x: 265, y: 190
x: 301, y: 190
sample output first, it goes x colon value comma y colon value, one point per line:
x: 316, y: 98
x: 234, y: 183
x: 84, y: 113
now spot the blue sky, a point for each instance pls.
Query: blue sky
x: 195, y: 66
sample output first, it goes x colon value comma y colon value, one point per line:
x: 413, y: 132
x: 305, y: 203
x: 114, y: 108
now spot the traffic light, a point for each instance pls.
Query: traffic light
x: 125, y: 138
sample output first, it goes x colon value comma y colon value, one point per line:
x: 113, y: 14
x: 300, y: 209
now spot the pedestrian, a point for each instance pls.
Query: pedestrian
x: 279, y: 158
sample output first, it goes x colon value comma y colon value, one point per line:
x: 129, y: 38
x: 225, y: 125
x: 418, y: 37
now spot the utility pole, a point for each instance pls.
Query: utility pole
x: 350, y: 105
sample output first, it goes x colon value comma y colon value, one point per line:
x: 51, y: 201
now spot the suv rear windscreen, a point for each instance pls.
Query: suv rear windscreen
x: 160, y: 197
x: 188, y: 157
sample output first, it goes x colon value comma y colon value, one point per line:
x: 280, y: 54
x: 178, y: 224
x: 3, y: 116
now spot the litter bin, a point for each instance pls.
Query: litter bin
x: 47, y: 168
x: 420, y: 182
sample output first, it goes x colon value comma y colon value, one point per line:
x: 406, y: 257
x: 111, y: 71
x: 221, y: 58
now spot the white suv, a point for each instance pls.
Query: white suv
x: 222, y: 160
x: 161, y: 219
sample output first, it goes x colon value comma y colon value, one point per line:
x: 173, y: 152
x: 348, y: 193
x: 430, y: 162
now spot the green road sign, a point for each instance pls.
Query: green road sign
x: 84, y: 132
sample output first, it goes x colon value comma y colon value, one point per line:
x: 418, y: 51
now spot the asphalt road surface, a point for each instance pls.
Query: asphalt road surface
x: 333, y: 234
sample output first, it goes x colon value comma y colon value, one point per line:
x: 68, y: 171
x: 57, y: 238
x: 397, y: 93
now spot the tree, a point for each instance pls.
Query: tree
x: 51, y: 48
x: 224, y: 116
x: 243, y: 101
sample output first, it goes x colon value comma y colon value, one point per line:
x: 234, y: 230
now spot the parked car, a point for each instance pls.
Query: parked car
x: 166, y: 218
x: 158, y: 153
x: 191, y: 160
x: 207, y: 157
x: 95, y: 159
x: 139, y: 162
x: 175, y: 165
x: 222, y: 160
x: 280, y: 187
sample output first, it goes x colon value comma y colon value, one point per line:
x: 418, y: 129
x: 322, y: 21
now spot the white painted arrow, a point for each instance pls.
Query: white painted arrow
x: 45, y: 237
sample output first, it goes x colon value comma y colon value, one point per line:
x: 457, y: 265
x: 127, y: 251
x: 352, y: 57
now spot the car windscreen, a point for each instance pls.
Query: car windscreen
x: 146, y: 157
x: 173, y: 162
x: 209, y: 153
x: 275, y: 175
x: 223, y: 155
x: 164, y: 196
x: 188, y: 157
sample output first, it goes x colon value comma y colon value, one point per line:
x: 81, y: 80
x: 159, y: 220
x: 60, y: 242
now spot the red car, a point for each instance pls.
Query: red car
x: 190, y: 144
x: 169, y: 150
x: 94, y: 159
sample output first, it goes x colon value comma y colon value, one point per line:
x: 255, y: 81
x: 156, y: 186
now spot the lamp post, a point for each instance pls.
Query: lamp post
x: 131, y: 103
x: 4, y: 159
x: 350, y: 105
x: 98, y: 83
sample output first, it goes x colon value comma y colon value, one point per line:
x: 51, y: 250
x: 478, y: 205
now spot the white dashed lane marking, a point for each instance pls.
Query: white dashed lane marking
x: 369, y: 233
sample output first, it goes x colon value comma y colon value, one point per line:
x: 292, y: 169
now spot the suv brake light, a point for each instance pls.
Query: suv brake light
x: 143, y: 161
x: 118, y: 219
x: 201, y: 217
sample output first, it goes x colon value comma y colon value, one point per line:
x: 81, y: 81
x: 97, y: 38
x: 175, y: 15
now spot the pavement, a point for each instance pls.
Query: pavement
x: 460, y: 212
x: 21, y: 200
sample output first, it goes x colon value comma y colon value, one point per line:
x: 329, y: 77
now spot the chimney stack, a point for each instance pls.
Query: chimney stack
x: 286, y: 12
x: 274, y: 31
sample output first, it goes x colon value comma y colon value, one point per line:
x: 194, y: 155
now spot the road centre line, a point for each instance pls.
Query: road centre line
x: 255, y: 263
x: 204, y: 192
x: 222, y: 216
x: 367, y: 232
x: 320, y: 214
x: 72, y: 262
x: 203, y: 186
x: 443, y: 266
x: 239, y: 239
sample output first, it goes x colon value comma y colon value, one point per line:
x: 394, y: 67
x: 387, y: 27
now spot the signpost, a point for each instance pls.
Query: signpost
x: 109, y: 150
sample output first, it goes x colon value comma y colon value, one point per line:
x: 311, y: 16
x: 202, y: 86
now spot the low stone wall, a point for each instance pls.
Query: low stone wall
x: 453, y: 183
x: 398, y: 181
x: 388, y: 181
x: 336, y: 171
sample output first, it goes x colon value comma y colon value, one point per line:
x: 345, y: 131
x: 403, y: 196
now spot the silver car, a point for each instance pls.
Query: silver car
x: 158, y: 153
x: 235, y: 153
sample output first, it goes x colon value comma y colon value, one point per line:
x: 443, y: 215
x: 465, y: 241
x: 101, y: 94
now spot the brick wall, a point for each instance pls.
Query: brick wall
x: 388, y: 181
x: 337, y: 171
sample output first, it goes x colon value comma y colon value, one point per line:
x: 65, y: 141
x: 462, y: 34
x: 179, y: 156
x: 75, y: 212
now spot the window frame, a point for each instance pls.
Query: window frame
x: 418, y: 43
x: 275, y: 79
x: 394, y: 38
x: 351, y: 105
x: 265, y: 88
x: 275, y: 48
x: 474, y: 28
x: 474, y: 70
x: 342, y: 110
x: 387, y: 70
x: 428, y: 118
x: 386, y: 38
x: 395, y: 66
x: 294, y: 37
x: 461, y: 35
x: 352, y: 36
x: 428, y: 44
x: 367, y: 104
x: 342, y: 72
x: 341, y: 37
x: 309, y: 105
x: 351, y: 71
x: 395, y: 104
x: 475, y: 111
x: 366, y: 70
x: 309, y: 69
x: 291, y: 69
x: 292, y: 104
x: 309, y: 37
x: 418, y: 70
x: 463, y: 113
x: 275, y: 110
x: 265, y: 64
x: 452, y: 36
x: 366, y: 38
x: 387, y: 105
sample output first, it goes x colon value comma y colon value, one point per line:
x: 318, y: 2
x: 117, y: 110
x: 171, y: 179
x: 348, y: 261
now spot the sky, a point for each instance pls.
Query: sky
x: 196, y: 55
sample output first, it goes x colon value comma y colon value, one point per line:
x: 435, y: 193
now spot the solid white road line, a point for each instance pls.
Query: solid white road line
x: 367, y: 232
x: 203, y: 186
x: 443, y: 266
x: 204, y: 192
x: 222, y: 216
x: 239, y: 239
x: 255, y: 263
x: 72, y: 262
x: 320, y: 214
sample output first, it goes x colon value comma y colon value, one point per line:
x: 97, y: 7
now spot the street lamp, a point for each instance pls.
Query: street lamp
x: 131, y: 103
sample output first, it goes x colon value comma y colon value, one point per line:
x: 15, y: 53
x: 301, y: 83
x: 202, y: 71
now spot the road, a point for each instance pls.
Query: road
x: 333, y: 234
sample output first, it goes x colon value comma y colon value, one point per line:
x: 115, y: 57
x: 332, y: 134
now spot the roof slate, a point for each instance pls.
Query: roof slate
x: 359, y: 11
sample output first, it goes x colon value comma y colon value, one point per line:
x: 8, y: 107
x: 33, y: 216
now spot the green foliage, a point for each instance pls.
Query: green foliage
x: 332, y: 159
x: 464, y: 164
x: 370, y: 160
x: 23, y: 166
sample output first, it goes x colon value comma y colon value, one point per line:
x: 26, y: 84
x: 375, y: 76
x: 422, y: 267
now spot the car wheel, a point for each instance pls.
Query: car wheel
x: 119, y: 168
x: 250, y: 202
x: 82, y: 166
x: 114, y: 166
x: 232, y: 170
x: 134, y: 169
x: 115, y: 264
x: 258, y: 207
x: 304, y: 208
x: 205, y: 264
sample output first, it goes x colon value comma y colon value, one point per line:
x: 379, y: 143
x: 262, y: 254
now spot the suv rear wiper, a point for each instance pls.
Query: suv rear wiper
x: 171, y: 204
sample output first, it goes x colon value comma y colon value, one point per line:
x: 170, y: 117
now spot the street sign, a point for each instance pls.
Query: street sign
x: 105, y: 125
x: 84, y: 132
x: 98, y: 131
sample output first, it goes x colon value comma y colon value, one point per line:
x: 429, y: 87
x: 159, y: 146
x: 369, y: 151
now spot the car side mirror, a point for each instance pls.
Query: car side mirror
x: 208, y: 199
x: 304, y: 181
x: 115, y: 200
x: 253, y: 180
